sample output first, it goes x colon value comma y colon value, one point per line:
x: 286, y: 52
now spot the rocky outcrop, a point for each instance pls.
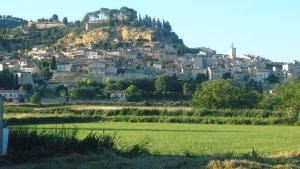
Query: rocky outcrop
x: 120, y: 33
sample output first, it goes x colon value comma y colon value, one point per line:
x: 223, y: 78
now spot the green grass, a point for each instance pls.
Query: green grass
x: 177, y: 139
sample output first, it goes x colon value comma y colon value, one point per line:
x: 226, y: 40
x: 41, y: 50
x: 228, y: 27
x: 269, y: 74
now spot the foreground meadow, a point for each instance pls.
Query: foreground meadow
x: 195, y: 139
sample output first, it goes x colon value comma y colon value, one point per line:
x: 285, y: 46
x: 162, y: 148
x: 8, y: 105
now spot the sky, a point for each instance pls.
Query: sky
x: 269, y: 28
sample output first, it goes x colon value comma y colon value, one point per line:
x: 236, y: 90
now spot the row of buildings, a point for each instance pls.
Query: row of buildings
x: 149, y: 62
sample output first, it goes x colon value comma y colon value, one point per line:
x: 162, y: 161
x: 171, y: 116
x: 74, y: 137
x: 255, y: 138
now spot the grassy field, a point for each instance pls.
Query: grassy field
x: 178, y: 139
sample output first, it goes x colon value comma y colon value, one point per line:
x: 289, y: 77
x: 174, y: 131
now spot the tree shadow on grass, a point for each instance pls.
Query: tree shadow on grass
x: 130, y: 129
x: 113, y: 160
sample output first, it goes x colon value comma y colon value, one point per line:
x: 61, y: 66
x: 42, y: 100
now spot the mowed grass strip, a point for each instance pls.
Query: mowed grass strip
x: 178, y: 139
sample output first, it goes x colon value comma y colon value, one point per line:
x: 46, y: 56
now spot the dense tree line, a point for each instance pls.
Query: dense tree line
x: 216, y: 94
x: 219, y: 94
x: 127, y: 16
x: 285, y: 96
x: 164, y: 87
x: 8, y: 80
x: 7, y: 21
x: 15, y: 39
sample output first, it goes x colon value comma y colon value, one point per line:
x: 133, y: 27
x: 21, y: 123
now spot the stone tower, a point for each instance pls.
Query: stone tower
x: 232, y: 52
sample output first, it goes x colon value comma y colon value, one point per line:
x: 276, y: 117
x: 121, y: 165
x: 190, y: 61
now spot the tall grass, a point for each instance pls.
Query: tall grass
x: 27, y: 145
x: 32, y: 144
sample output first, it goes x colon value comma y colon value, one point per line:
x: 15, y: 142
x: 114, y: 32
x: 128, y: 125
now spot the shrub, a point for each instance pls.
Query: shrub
x: 35, y: 98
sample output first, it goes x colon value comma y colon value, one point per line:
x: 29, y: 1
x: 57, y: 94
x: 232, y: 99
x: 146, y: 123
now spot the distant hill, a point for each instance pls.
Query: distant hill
x: 104, y: 29
x: 7, y: 21
x: 119, y: 27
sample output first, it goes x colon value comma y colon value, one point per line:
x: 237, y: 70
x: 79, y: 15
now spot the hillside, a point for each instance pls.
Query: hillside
x: 120, y: 34
x: 7, y: 21
x: 104, y: 29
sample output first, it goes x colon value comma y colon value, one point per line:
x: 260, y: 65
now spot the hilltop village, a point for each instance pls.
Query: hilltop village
x: 118, y: 46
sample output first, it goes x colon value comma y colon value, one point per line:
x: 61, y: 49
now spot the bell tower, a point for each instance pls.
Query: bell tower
x: 232, y: 52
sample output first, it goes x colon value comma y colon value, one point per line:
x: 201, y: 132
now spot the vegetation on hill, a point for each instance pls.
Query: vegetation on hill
x: 123, y: 25
x: 7, y: 21
x: 125, y: 17
x: 15, y: 39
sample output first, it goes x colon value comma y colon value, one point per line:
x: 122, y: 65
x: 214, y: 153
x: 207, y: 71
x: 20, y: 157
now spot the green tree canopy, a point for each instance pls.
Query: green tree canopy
x: 286, y: 96
x: 54, y: 18
x: 65, y: 20
x: 133, y: 94
x: 35, y: 98
x: 219, y: 94
x: 165, y: 84
x: 8, y: 80
x: 53, y: 63
x: 188, y: 88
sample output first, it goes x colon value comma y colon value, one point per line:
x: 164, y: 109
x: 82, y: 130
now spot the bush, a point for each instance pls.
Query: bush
x: 220, y: 94
x: 35, y: 98
x: 83, y: 93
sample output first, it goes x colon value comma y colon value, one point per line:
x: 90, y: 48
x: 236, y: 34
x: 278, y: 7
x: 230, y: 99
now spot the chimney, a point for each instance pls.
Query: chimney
x: 1, y: 124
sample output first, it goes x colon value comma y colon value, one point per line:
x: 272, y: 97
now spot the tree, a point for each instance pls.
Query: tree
x: 140, y: 20
x: 54, y: 18
x: 165, y: 84
x: 7, y: 80
x: 11, y: 22
x: 65, y: 20
x: 219, y: 94
x: 53, y: 63
x: 83, y: 93
x: 147, y: 85
x: 35, y: 98
x: 133, y: 94
x: 286, y: 96
x: 227, y: 75
x: 16, y: 82
x: 273, y: 79
x: 154, y: 23
x: 188, y: 89
x: 167, y: 26
x: 26, y: 88
x: 158, y: 24
x: 46, y: 72
x: 161, y: 84
x: 61, y: 90
x: 65, y: 95
x: 201, y: 78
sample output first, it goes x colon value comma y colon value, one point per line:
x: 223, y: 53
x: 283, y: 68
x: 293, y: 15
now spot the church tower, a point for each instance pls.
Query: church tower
x: 232, y: 52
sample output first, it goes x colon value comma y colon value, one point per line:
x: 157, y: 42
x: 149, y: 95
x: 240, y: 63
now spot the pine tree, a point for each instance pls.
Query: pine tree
x: 16, y: 82
x: 140, y: 23
x: 146, y: 18
x: 149, y: 21
x: 167, y: 26
x: 158, y: 24
x: 53, y: 63
x: 154, y: 23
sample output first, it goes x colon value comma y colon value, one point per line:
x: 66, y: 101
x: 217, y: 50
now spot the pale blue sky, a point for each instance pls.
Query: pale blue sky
x: 270, y: 28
